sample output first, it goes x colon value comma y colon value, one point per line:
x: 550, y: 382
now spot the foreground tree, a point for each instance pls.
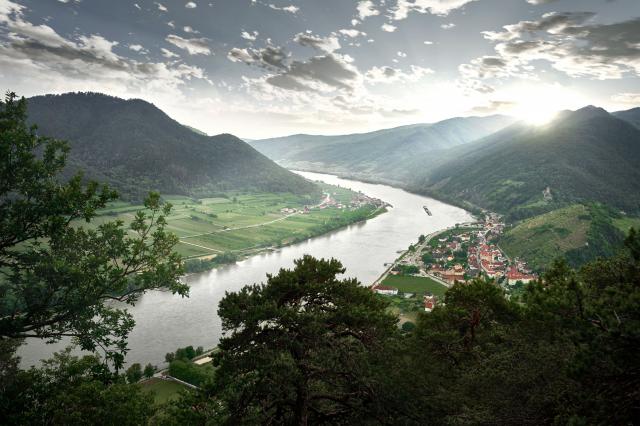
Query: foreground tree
x: 301, y: 348
x: 57, y: 277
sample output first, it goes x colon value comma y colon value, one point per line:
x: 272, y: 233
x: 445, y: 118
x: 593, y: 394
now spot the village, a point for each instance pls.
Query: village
x: 358, y: 200
x: 458, y: 254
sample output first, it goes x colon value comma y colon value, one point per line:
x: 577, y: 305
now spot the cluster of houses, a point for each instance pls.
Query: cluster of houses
x: 462, y: 256
x: 480, y: 256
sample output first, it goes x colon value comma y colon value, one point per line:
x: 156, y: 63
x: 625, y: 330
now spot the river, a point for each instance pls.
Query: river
x: 165, y: 322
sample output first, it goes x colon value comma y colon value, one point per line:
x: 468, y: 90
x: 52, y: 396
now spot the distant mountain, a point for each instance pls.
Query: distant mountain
x: 523, y: 170
x: 136, y: 147
x: 631, y: 115
x: 394, y: 155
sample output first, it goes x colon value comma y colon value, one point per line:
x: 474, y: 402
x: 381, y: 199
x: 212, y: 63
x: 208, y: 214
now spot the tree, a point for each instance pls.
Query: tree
x: 302, y: 347
x: 149, y: 370
x: 74, y: 390
x: 55, y: 275
x: 169, y: 356
x: 199, y: 350
x: 134, y: 373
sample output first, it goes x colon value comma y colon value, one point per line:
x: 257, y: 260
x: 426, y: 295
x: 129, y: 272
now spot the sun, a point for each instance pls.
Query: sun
x: 538, y: 104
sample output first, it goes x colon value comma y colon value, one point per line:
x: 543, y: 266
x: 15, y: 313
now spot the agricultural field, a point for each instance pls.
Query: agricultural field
x: 163, y: 390
x: 241, y: 224
x: 624, y: 224
x: 413, y: 284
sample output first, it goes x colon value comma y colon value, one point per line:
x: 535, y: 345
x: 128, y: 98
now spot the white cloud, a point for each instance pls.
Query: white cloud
x: 352, y: 32
x: 324, y: 44
x: 388, y: 28
x: 366, y: 8
x: 427, y: 42
x: 401, y: 54
x: 447, y: 26
x: 195, y: 46
x: 251, y: 36
x: 627, y: 98
x: 388, y: 75
x: 137, y: 6
x: 191, y: 5
x: 161, y: 7
x: 168, y: 54
x: 188, y: 29
x: 291, y: 8
x: 437, y: 7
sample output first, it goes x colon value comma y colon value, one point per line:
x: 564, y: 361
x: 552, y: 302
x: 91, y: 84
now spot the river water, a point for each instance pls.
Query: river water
x: 165, y: 322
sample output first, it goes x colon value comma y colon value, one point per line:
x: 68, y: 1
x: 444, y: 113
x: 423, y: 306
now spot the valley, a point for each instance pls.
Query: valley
x: 231, y: 226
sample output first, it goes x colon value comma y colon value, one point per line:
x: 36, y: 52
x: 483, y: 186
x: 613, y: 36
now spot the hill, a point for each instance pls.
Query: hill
x: 579, y: 233
x: 523, y: 170
x: 631, y: 115
x: 136, y: 147
x: 392, y: 155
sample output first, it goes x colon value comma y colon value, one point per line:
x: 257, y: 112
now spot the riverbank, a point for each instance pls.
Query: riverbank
x: 164, y: 321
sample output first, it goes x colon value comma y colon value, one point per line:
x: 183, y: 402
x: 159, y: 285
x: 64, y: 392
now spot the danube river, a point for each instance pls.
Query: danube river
x: 165, y: 322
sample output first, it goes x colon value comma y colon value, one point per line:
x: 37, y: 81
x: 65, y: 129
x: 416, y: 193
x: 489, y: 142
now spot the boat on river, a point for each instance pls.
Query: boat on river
x: 426, y: 209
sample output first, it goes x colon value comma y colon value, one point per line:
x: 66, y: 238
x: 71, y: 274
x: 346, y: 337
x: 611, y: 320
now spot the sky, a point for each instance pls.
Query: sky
x: 265, y: 68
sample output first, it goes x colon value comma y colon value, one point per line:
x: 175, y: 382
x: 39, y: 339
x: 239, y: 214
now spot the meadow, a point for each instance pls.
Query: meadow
x: 244, y: 223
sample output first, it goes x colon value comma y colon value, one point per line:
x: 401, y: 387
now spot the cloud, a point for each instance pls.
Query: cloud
x: 168, y: 54
x: 323, y: 73
x: 537, y: 2
x: 352, y: 32
x: 627, y: 98
x: 568, y: 42
x: 493, y: 107
x: 138, y: 48
x: 189, y: 30
x: 191, y: 5
x: 393, y: 75
x: 401, y: 54
x: 251, y: 36
x: 436, y: 7
x: 388, y: 28
x: 447, y: 26
x: 324, y: 44
x: 290, y: 9
x: 37, y: 53
x: 195, y: 46
x: 161, y: 7
x: 427, y: 42
x: 365, y: 9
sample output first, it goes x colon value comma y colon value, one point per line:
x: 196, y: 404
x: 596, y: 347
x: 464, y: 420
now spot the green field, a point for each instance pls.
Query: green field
x: 418, y: 285
x: 246, y: 223
x: 164, y: 390
x: 626, y: 223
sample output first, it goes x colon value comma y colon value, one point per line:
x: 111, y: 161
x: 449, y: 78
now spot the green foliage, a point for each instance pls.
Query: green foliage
x: 407, y: 269
x: 137, y: 148
x: 149, y: 370
x: 201, y: 265
x: 56, y: 277
x: 134, y: 373
x: 189, y: 372
x: 299, y: 348
x: 71, y: 391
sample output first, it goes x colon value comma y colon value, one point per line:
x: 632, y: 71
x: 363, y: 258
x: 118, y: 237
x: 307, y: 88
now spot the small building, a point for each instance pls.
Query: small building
x: 386, y: 290
x: 429, y: 302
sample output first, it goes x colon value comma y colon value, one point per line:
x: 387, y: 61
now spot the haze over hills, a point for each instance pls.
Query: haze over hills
x: 391, y: 155
x: 136, y: 147
x: 581, y: 156
x: 631, y: 115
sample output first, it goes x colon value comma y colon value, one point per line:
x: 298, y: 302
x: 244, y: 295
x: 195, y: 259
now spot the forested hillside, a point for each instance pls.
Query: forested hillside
x: 394, y: 155
x: 136, y: 147
x: 586, y: 155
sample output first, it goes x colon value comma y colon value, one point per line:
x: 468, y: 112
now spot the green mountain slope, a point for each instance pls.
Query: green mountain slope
x: 586, y: 155
x: 579, y: 233
x: 136, y: 147
x: 389, y: 155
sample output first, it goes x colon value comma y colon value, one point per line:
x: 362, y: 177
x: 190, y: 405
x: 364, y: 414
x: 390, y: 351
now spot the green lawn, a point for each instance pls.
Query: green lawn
x: 164, y: 390
x: 411, y: 284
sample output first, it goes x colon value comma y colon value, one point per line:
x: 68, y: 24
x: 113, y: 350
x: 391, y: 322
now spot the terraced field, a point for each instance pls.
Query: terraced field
x: 245, y: 223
